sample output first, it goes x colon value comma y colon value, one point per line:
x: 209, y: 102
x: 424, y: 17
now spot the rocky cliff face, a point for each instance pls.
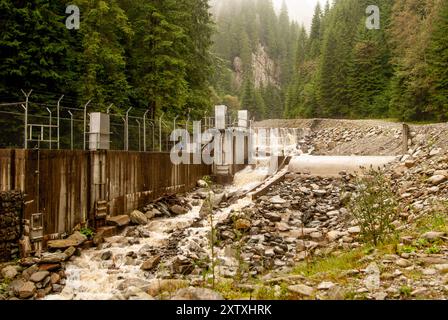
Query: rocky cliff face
x: 265, y: 71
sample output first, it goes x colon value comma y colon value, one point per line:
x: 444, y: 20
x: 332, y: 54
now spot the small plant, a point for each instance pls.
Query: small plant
x: 89, y: 233
x: 434, y: 249
x: 4, y: 286
x: 375, y: 207
x: 407, y: 249
x: 405, y: 291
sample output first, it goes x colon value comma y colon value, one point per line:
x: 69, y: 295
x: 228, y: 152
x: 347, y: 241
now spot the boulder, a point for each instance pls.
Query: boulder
x: 119, y: 221
x: 158, y: 286
x: 437, y: 179
x: 433, y: 235
x: 69, y: 252
x: 336, y: 293
x: 196, y: 294
x: 39, y: 276
x: 178, y: 210
x: 302, y: 290
x: 50, y: 258
x: 27, y: 290
x: 9, y: 272
x: 74, y: 240
x: 202, y: 184
x: 150, y: 263
x: 137, y: 217
x: 334, y: 235
x: 138, y: 283
x: 106, y: 255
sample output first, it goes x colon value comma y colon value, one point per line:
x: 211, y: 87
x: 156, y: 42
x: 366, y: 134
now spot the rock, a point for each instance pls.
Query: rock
x: 437, y: 179
x: 325, y: 285
x: 435, y: 152
x: 433, y: 235
x: 157, y: 286
x: 277, y: 200
x: 69, y: 252
x: 61, y: 244
x: 9, y: 272
x: 152, y: 213
x: 201, y: 184
x: 336, y: 293
x: 138, y: 283
x: 182, y: 265
x: 242, y: 224
x: 119, y: 221
x: 320, y: 193
x: 50, y: 267
x: 50, y: 258
x: 403, y: 263
x: 228, y: 235
x: 39, y: 276
x: 27, y: 290
x: 433, y: 260
x: 196, y: 294
x: 443, y: 268
x: 15, y: 285
x: 409, y: 163
x: 137, y: 217
x: 29, y: 261
x: 55, y: 278
x: 150, y: 263
x: 333, y: 213
x: 302, y: 290
x: 354, y: 230
x: 380, y: 296
x: 76, y: 239
x: 272, y: 216
x: 178, y: 210
x: 372, y: 281
x: 334, y: 235
x: 106, y: 255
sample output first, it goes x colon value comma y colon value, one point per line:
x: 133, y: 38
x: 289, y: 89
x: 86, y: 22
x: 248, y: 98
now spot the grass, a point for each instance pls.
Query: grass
x: 405, y: 291
x: 436, y: 220
x: 331, y: 267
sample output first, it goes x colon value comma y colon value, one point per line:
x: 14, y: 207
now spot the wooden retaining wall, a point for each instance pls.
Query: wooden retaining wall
x: 64, y: 185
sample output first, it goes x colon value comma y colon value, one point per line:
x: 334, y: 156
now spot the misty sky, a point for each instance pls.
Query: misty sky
x: 300, y: 10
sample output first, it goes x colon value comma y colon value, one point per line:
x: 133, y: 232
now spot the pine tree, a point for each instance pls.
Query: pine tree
x: 438, y: 62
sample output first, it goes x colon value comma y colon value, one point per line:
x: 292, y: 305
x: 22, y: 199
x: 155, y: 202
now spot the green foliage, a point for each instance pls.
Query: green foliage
x: 405, y: 291
x: 89, y: 233
x: 374, y: 206
x: 140, y: 53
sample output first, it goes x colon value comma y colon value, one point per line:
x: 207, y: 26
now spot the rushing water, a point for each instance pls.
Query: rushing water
x: 91, y: 278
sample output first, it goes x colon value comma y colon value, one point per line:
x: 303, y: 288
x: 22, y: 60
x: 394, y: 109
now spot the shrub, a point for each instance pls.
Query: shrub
x: 89, y: 233
x: 374, y: 206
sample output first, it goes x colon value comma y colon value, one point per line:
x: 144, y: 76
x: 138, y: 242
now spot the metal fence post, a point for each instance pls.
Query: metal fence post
x: 27, y: 96
x: 51, y: 122
x: 58, y: 122
x: 85, y: 124
x: 139, y: 137
x: 144, y: 130
x: 71, y: 130
x: 126, y: 133
x: 160, y: 132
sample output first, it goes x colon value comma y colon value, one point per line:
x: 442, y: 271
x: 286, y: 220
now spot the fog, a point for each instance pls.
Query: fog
x: 300, y: 10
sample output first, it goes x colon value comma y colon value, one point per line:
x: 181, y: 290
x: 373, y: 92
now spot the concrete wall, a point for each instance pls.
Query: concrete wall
x: 64, y: 185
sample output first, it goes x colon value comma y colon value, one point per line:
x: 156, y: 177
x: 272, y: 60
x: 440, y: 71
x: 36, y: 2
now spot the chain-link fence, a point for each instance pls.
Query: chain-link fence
x: 57, y: 125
